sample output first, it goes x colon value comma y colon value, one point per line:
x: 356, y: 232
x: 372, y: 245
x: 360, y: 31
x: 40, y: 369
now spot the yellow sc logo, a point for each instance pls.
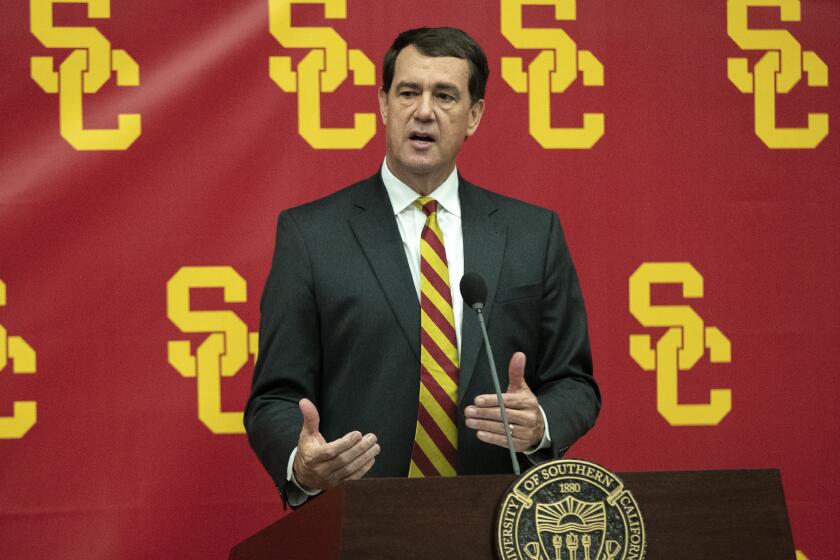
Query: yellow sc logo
x: 85, y: 70
x: 22, y: 356
x: 225, y: 350
x: 777, y: 71
x: 682, y: 345
x: 553, y: 70
x: 322, y: 70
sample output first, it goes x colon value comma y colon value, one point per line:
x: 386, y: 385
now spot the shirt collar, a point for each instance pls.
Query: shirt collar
x: 402, y: 196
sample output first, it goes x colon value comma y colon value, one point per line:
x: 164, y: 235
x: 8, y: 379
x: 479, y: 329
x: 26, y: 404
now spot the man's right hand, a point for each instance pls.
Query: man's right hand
x: 320, y: 465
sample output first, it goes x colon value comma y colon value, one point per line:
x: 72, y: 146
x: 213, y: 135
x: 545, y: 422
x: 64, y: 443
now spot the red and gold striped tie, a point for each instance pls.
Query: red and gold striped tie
x: 436, y: 437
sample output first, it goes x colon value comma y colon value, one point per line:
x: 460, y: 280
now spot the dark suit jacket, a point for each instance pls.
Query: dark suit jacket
x: 341, y: 326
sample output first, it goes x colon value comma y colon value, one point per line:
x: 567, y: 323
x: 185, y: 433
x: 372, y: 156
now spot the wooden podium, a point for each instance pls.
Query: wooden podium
x: 702, y: 515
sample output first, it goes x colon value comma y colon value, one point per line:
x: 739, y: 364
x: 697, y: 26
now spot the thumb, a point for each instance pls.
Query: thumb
x: 311, y: 420
x: 516, y: 373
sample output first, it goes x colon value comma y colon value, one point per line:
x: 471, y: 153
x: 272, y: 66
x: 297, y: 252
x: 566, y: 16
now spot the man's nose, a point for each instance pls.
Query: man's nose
x: 425, y: 108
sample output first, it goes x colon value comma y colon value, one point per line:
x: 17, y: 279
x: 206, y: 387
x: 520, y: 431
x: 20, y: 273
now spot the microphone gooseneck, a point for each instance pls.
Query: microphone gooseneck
x: 474, y: 292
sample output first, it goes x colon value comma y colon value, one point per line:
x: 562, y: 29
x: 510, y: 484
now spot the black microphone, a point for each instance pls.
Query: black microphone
x: 474, y: 292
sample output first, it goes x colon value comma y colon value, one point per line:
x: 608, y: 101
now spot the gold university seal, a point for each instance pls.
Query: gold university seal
x: 569, y: 510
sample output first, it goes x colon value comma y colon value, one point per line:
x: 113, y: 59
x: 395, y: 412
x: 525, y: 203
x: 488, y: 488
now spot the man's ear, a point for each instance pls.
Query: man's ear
x: 476, y: 111
x: 383, y: 106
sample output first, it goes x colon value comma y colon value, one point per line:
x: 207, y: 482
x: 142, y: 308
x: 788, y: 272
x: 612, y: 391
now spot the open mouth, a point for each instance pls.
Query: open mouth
x: 421, y: 138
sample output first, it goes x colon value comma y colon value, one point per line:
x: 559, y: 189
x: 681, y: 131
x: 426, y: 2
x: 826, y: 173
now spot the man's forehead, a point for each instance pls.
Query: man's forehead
x: 412, y: 66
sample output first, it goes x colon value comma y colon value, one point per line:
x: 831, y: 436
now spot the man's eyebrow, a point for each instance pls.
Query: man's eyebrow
x: 445, y: 86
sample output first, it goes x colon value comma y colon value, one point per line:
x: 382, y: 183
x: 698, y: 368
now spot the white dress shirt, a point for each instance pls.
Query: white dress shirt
x: 410, y: 222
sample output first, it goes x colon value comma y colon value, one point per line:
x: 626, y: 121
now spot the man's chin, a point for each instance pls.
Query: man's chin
x: 420, y: 165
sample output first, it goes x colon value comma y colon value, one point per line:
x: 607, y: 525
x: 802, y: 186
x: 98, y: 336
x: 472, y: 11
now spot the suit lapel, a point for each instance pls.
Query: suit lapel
x: 484, y: 246
x: 375, y: 228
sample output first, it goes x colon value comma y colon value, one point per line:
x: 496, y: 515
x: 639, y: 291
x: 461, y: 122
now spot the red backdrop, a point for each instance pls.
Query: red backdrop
x: 124, y: 452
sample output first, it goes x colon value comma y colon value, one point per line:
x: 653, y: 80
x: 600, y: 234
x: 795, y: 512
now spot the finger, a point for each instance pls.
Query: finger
x: 346, y: 457
x: 516, y: 373
x: 487, y: 400
x: 311, y: 419
x: 530, y: 434
x: 331, y: 450
x: 515, y: 416
x: 492, y: 426
x: 319, y: 462
x: 501, y: 441
x: 521, y: 400
x: 511, y: 399
x: 362, y: 471
x: 348, y: 466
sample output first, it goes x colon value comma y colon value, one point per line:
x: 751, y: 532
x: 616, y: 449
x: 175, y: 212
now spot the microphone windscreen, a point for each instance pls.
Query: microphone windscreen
x: 473, y: 289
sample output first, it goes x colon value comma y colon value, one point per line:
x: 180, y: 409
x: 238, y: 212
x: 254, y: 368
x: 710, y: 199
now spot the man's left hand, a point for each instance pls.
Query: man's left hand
x: 523, y: 412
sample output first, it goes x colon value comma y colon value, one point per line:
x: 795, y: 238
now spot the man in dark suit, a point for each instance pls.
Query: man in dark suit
x: 335, y: 389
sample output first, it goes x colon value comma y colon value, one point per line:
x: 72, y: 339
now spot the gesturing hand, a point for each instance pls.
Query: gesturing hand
x: 522, y: 408
x: 320, y: 465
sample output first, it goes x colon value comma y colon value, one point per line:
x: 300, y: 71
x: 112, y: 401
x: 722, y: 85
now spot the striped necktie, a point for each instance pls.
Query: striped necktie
x: 436, y: 436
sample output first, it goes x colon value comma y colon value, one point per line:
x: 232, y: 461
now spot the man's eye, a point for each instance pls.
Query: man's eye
x: 446, y: 97
x: 407, y: 94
